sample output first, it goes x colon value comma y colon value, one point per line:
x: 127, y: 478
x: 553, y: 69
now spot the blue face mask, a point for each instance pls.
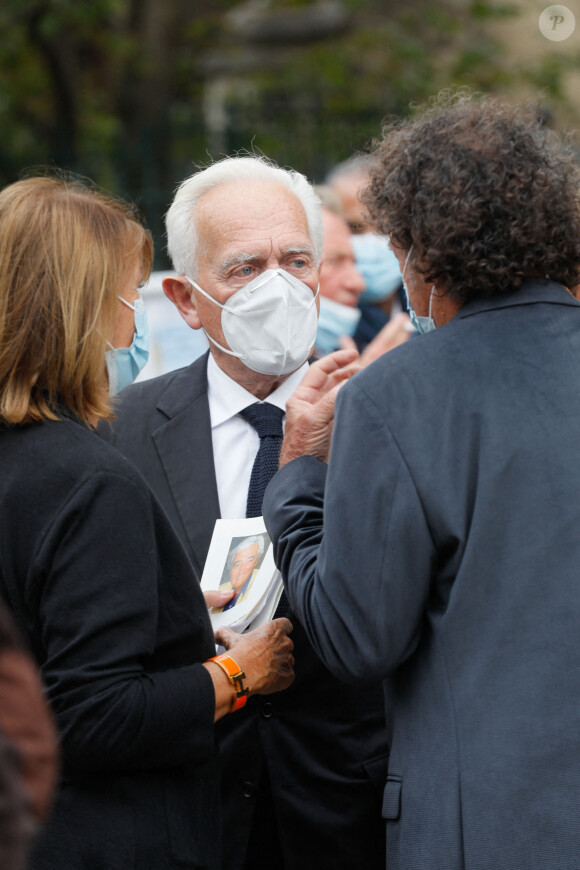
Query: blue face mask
x: 421, y: 324
x: 125, y: 363
x: 334, y: 321
x: 378, y: 265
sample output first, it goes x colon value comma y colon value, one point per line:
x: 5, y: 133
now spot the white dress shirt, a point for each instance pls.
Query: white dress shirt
x: 235, y: 441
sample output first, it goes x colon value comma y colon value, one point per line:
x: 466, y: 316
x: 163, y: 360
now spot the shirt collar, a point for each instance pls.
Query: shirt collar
x: 227, y: 398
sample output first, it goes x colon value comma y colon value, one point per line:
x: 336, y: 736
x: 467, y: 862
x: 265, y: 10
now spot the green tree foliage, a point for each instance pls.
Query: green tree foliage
x: 136, y: 93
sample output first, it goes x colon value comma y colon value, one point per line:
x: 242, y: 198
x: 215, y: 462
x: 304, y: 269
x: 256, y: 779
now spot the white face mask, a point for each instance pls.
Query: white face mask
x: 269, y: 323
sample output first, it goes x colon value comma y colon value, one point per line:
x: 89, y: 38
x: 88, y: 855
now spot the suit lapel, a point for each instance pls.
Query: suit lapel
x: 184, y: 446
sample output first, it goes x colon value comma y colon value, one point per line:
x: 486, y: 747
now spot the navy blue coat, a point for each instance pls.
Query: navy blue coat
x: 447, y: 563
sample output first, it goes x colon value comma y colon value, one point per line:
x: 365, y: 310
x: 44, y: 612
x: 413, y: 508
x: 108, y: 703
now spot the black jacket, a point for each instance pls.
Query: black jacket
x: 107, y: 600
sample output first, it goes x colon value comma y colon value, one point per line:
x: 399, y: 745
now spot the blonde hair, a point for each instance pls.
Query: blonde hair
x: 66, y: 252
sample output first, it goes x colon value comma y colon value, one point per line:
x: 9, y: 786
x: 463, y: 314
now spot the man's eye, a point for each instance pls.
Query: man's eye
x: 243, y: 272
x: 299, y: 263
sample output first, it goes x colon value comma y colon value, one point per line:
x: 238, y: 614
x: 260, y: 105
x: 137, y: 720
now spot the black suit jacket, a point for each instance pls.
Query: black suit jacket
x: 465, y: 442
x: 322, y: 742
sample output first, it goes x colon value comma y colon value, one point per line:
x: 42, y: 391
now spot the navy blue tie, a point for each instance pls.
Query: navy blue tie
x: 266, y: 419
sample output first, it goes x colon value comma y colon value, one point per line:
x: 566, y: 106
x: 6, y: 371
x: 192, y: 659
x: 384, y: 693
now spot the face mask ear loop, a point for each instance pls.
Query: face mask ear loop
x: 223, y: 307
x: 128, y: 304
x: 431, y: 302
x: 406, y: 261
x: 215, y: 302
x: 224, y: 349
x: 206, y: 333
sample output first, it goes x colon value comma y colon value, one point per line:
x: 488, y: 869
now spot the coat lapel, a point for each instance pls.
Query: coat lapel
x: 184, y: 446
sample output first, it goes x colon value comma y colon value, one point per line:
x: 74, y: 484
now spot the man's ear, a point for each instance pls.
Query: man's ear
x: 179, y: 291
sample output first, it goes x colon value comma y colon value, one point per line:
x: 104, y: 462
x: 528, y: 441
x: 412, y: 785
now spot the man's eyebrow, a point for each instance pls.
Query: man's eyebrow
x: 242, y: 258
x: 305, y: 250
x: 239, y: 259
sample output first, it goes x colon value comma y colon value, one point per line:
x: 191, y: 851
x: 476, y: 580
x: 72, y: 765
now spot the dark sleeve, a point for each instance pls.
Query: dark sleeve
x: 353, y: 544
x: 103, y: 609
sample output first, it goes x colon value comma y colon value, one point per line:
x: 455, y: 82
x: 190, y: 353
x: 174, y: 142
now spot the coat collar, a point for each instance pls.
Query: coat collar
x: 533, y: 290
x: 187, y: 386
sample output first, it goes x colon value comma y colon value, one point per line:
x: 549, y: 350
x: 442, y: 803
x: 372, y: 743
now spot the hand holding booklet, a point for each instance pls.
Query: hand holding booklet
x: 241, y: 559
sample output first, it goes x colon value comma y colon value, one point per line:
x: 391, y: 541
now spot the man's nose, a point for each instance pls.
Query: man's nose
x: 272, y: 262
x: 356, y: 282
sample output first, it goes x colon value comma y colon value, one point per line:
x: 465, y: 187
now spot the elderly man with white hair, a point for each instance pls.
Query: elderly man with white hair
x: 303, y: 771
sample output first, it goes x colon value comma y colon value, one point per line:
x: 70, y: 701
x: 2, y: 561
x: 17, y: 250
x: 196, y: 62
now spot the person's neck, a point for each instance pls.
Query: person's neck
x: 260, y: 386
x: 264, y: 388
x: 444, y: 308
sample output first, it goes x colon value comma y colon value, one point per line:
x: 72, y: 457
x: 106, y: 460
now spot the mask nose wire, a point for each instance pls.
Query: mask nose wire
x: 215, y: 302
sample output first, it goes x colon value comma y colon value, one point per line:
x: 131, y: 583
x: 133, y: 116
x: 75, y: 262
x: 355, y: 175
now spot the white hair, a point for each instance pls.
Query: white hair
x: 180, y: 221
x: 244, y: 545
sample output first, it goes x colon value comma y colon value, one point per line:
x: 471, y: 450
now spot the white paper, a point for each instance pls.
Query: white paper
x: 241, y: 553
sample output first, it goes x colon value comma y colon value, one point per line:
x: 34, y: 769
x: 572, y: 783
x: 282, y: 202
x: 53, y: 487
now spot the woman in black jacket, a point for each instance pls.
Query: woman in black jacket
x: 89, y: 563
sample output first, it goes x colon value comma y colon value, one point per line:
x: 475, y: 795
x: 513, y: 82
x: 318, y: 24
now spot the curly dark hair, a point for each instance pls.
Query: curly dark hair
x: 484, y: 191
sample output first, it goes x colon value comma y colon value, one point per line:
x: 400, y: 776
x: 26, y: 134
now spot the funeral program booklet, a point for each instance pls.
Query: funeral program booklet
x: 241, y: 559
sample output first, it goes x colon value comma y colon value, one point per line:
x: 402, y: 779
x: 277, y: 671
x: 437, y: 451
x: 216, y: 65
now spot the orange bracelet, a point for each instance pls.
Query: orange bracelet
x: 236, y: 677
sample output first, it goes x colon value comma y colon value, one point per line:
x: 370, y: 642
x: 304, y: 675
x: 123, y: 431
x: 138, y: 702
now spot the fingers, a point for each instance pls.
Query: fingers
x: 283, y: 623
x: 265, y: 655
x: 310, y: 409
x: 325, y: 371
x: 226, y: 637
x: 347, y: 343
x: 337, y: 359
x: 397, y: 331
x: 215, y: 598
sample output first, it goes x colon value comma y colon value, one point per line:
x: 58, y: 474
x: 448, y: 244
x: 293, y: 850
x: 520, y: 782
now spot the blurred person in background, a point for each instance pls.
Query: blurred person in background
x: 348, y: 179
x: 451, y: 494
x: 382, y: 298
x: 342, y: 285
x: 90, y: 567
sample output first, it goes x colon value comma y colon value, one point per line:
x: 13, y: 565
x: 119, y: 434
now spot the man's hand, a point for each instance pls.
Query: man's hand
x: 264, y: 655
x: 397, y: 331
x: 310, y: 409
